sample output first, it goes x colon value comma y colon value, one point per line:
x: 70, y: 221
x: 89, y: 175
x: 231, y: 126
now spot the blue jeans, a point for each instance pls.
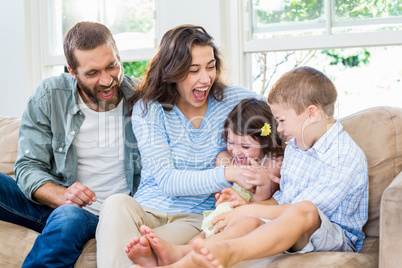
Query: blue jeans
x: 64, y: 231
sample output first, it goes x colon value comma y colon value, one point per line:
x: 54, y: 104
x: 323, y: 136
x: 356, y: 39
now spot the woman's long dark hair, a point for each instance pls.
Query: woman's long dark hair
x: 171, y: 64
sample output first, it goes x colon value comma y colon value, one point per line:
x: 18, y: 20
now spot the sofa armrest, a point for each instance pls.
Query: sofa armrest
x: 390, y: 225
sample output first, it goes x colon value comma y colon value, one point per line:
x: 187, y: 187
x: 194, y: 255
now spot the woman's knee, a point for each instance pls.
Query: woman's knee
x: 118, y: 201
x: 120, y: 205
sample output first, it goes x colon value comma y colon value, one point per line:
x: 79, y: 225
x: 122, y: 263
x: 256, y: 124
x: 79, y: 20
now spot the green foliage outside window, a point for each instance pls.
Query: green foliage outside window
x: 293, y: 11
x: 136, y: 69
x: 308, y: 10
x: 348, y: 57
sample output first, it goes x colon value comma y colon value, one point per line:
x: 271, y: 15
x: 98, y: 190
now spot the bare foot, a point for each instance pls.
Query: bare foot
x: 165, y: 252
x: 202, y: 257
x: 140, y: 252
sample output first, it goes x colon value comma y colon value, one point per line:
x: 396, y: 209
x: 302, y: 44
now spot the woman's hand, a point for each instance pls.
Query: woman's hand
x: 233, y: 173
x: 257, y: 175
x: 230, y: 195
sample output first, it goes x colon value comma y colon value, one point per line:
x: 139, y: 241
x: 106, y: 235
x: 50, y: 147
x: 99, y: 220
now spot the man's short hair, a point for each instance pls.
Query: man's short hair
x: 86, y: 35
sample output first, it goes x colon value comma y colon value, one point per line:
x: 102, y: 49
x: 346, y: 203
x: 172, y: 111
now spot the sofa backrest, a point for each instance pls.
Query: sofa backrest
x: 8, y: 143
x: 378, y: 132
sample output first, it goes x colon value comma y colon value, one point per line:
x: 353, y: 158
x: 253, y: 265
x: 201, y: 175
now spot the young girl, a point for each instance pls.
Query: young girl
x: 252, y: 145
x: 250, y: 142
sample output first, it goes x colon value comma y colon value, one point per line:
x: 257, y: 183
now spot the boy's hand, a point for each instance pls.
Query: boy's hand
x: 230, y: 195
x: 230, y: 218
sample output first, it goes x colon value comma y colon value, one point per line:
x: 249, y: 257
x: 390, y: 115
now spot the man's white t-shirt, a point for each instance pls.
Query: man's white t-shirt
x: 100, y: 151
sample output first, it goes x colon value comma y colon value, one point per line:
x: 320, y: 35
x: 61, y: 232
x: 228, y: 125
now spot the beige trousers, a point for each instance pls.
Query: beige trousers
x: 120, y: 219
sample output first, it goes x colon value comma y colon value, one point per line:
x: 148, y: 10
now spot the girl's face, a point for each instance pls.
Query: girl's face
x: 194, y: 89
x: 244, y: 148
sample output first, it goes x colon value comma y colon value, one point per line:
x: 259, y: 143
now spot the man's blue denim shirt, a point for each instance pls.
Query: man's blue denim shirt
x: 49, y: 124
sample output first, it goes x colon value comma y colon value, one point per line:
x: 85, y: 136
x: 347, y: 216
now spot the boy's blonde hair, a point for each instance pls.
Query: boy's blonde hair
x: 302, y: 87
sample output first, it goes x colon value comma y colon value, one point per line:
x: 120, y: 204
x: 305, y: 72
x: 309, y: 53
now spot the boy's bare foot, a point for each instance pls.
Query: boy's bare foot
x: 140, y: 252
x: 165, y: 252
x: 202, y: 257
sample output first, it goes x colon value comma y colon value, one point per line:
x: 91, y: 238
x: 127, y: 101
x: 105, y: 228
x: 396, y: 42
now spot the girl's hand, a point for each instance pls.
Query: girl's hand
x: 230, y: 195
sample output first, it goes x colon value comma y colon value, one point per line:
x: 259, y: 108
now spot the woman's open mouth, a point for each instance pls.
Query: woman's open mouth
x: 200, y: 93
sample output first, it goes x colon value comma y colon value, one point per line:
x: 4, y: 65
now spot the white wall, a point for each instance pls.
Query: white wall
x: 20, y: 53
x: 204, y: 13
x: 13, y: 71
x: 219, y: 18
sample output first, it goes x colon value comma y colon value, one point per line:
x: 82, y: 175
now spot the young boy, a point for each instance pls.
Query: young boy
x: 322, y: 203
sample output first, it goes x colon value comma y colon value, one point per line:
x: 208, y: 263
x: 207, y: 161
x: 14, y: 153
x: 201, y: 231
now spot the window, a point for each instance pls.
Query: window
x: 354, y: 42
x: 132, y: 23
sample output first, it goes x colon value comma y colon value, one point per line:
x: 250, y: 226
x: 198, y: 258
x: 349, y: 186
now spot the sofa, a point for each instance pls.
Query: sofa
x: 378, y: 131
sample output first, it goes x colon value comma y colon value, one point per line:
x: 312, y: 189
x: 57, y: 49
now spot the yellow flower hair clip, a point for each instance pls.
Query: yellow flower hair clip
x: 266, y: 130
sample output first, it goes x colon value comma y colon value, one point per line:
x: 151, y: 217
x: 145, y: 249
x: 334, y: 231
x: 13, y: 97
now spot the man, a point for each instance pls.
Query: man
x: 76, y: 147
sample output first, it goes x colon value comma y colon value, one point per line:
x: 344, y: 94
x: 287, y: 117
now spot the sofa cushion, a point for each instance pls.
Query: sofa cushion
x: 378, y: 132
x: 15, y: 243
x: 315, y: 259
x: 8, y: 143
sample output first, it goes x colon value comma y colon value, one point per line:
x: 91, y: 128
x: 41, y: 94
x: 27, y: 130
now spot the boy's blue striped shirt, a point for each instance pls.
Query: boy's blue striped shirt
x: 333, y: 176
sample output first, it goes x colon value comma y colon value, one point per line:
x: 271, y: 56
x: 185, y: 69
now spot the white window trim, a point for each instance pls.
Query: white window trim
x: 54, y: 60
x: 241, y: 68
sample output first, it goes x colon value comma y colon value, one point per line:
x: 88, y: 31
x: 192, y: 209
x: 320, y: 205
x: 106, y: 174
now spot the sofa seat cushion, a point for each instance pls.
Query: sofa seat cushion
x: 315, y: 259
x: 15, y: 243
x: 87, y: 258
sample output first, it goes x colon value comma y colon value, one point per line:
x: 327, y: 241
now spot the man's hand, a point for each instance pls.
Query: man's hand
x: 54, y: 195
x: 79, y: 195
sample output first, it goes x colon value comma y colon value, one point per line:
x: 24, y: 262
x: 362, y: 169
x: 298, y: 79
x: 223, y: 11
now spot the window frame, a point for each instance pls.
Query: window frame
x: 326, y: 41
x: 48, y: 18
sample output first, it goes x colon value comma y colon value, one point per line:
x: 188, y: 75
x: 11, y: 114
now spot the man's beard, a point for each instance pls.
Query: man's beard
x: 93, y: 95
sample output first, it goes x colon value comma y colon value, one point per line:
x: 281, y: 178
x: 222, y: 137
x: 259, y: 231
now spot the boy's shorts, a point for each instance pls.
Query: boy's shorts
x: 329, y: 237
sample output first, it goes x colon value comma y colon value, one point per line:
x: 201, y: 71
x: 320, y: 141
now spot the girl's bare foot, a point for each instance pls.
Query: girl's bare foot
x: 140, y: 252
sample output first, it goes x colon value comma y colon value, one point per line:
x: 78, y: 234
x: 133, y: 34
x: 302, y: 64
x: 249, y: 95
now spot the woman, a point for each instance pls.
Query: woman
x: 177, y: 118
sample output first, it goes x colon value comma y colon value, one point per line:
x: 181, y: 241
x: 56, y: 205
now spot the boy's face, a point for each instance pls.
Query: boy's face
x: 293, y: 125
